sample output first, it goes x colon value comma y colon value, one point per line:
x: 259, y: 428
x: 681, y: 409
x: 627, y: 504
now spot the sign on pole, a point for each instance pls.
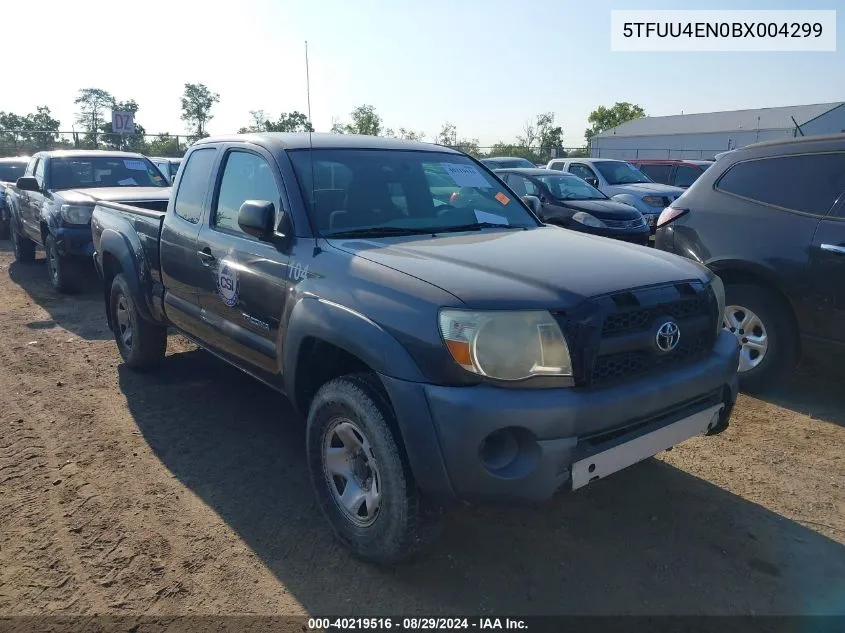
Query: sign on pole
x: 122, y: 122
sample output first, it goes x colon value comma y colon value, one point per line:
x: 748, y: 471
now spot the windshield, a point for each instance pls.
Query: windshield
x: 89, y: 172
x: 401, y: 191
x: 620, y: 173
x: 515, y: 163
x: 565, y: 187
x: 10, y: 172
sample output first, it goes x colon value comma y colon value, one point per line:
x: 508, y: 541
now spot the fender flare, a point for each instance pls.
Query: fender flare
x: 136, y: 269
x: 348, y: 330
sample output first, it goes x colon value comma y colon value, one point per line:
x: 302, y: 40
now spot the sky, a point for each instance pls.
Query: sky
x: 487, y: 66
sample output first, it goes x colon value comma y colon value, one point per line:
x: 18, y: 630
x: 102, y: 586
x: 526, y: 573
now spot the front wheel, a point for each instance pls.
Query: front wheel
x: 360, y: 474
x: 60, y: 269
x: 766, y: 334
x: 141, y: 344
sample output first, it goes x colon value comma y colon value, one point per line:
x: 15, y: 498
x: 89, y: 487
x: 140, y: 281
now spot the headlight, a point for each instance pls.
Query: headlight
x: 77, y: 213
x: 654, y: 201
x: 587, y: 220
x: 506, y: 345
x: 719, y: 291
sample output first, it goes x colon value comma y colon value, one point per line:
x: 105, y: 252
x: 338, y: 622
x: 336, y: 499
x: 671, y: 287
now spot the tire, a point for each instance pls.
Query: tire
x: 752, y: 305
x: 22, y: 247
x: 401, y: 522
x: 61, y: 270
x: 146, y: 343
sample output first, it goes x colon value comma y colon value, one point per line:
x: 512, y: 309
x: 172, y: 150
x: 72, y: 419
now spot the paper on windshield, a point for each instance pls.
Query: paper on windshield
x: 127, y: 181
x: 492, y: 218
x: 137, y: 165
x: 466, y: 175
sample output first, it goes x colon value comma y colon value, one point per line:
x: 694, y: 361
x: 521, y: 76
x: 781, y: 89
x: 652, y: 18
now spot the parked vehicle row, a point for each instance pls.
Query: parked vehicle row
x: 444, y: 344
x: 50, y: 205
x: 168, y: 166
x: 10, y: 170
x: 769, y: 219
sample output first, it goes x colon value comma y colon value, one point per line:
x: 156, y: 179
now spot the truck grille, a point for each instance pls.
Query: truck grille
x: 617, y: 341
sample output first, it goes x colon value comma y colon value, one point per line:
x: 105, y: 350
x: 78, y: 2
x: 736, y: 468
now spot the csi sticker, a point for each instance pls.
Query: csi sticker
x: 228, y: 283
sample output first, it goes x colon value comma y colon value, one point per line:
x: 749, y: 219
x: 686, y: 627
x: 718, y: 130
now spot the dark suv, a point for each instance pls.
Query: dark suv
x: 769, y: 219
x: 678, y: 173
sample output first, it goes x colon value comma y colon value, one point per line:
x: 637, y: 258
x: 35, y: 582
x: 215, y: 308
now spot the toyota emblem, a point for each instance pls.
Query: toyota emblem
x: 668, y: 336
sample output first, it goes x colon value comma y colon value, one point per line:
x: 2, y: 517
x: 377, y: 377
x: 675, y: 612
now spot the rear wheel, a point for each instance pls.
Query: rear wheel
x: 360, y: 474
x: 766, y: 334
x: 22, y: 247
x: 141, y: 344
x: 61, y: 270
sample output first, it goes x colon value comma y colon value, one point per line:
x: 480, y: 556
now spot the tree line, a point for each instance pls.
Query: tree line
x: 540, y: 137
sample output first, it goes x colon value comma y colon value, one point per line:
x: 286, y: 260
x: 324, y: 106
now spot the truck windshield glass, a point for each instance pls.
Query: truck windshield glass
x: 619, y: 173
x: 367, y: 190
x: 10, y: 172
x: 88, y: 172
x: 570, y: 188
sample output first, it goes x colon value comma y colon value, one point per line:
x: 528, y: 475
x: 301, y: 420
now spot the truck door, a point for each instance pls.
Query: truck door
x: 31, y: 203
x: 827, y: 274
x: 243, y: 292
x: 181, y: 269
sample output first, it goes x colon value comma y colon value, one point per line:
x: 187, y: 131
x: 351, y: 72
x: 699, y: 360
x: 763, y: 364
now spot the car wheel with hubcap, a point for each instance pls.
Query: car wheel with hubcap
x: 360, y: 473
x: 59, y: 268
x: 763, y: 327
x: 141, y: 344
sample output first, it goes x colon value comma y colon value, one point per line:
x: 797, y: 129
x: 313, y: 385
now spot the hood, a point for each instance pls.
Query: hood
x: 547, y: 267
x: 651, y: 188
x: 115, y: 194
x: 606, y: 209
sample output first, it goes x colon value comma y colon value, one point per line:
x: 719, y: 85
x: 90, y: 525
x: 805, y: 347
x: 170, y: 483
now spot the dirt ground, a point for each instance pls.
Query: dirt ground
x: 185, y: 492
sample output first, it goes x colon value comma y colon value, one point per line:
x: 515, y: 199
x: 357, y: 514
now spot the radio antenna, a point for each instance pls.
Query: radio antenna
x: 311, y: 149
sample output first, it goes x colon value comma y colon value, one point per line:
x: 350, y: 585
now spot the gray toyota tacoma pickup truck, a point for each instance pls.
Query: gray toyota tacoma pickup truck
x: 443, y: 348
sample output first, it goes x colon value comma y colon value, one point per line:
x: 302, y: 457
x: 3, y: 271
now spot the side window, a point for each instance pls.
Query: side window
x: 657, y: 172
x: 557, y: 166
x: 581, y: 170
x: 30, y: 168
x: 685, y: 175
x: 809, y: 183
x: 517, y: 183
x: 246, y: 176
x: 39, y: 173
x: 193, y: 185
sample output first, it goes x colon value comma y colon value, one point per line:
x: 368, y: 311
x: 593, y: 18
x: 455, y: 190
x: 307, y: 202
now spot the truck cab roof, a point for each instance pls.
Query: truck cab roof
x: 281, y: 141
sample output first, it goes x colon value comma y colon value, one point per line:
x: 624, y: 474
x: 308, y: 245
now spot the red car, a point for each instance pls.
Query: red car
x: 678, y: 173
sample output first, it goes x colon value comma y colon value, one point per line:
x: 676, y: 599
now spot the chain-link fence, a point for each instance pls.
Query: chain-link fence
x: 28, y: 142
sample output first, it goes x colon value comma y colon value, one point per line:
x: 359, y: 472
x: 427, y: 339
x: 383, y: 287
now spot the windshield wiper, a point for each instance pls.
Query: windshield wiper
x: 376, y: 231
x: 475, y: 226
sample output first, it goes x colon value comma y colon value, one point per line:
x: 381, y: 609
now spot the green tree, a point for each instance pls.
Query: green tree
x: 165, y: 145
x: 197, y: 101
x: 26, y: 134
x: 406, y: 134
x: 288, y: 122
x: 365, y: 120
x: 603, y: 118
x: 549, y: 135
x: 448, y: 135
x: 516, y: 150
x: 95, y: 105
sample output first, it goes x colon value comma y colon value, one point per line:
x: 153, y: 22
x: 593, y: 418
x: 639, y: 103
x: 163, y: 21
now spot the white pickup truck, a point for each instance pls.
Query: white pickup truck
x: 622, y: 182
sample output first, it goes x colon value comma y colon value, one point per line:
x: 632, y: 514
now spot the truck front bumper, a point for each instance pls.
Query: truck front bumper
x: 74, y: 242
x: 488, y: 444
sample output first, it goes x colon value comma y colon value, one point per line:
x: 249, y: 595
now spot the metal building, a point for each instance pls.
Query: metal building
x: 705, y: 135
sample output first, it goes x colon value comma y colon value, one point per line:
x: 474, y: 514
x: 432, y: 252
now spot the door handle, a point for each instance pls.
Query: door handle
x: 834, y: 248
x: 206, y: 258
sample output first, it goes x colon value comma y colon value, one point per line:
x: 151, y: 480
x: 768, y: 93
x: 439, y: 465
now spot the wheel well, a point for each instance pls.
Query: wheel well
x: 319, y: 362
x: 111, y: 268
x: 733, y: 276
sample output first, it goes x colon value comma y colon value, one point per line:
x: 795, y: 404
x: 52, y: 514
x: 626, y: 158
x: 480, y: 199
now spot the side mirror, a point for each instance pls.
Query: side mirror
x: 592, y: 181
x: 256, y: 218
x: 27, y: 183
x: 533, y: 203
